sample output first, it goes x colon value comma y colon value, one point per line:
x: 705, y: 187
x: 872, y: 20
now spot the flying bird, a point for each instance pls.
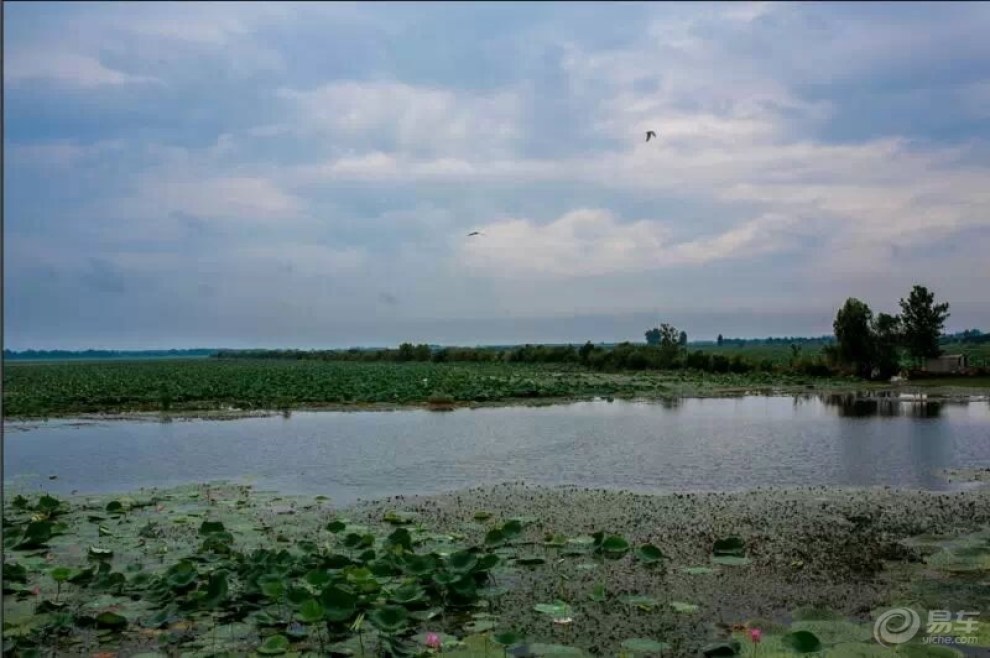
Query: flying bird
x: 649, y: 134
x: 475, y: 233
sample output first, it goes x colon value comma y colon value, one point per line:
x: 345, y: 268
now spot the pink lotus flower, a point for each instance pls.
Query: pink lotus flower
x: 433, y: 641
x: 755, y: 635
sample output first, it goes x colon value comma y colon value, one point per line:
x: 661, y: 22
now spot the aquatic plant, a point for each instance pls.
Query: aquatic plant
x: 224, y: 570
x: 209, y: 385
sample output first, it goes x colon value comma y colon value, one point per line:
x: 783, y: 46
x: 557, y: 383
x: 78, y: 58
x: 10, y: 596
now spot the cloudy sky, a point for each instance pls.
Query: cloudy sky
x: 305, y: 174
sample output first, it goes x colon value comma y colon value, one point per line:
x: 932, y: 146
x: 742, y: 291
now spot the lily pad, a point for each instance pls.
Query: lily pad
x: 311, y: 611
x: 644, y: 645
x: 389, y: 619
x: 507, y: 638
x: 530, y: 560
x: 649, y: 554
x: 802, y: 642
x: 539, y: 649
x: 479, y: 626
x: 462, y: 562
x: 615, y: 544
x: 698, y: 571
x: 721, y: 649
x: 274, y: 645
x: 729, y: 546
x: 558, y: 609
x: 640, y: 601
x: 111, y: 621
x: 730, y: 560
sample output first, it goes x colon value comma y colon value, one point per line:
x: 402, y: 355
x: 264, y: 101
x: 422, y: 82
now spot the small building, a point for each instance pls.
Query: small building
x: 947, y: 364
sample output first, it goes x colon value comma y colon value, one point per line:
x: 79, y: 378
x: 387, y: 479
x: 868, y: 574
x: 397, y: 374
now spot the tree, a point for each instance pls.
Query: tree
x: 971, y: 335
x: 653, y: 336
x: 406, y: 352
x: 922, y: 322
x: 682, y: 339
x: 422, y: 352
x: 669, y: 336
x: 886, y: 330
x: 719, y: 341
x: 854, y: 336
x: 585, y: 351
x: 670, y: 344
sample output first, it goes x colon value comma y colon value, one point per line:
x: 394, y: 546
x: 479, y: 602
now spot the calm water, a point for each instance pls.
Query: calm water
x: 694, y: 444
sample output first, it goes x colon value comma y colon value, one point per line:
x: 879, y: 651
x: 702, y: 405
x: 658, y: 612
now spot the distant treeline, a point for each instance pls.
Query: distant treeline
x: 761, y: 342
x: 968, y: 337
x: 11, y: 355
x: 622, y: 356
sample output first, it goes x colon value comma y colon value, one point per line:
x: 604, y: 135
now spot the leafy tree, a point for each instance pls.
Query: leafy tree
x: 719, y: 341
x: 971, y: 335
x: 585, y: 351
x: 682, y: 339
x: 854, y: 336
x: 653, y: 336
x: 922, y: 321
x: 669, y: 336
x: 406, y: 352
x: 887, y: 338
x: 670, y: 345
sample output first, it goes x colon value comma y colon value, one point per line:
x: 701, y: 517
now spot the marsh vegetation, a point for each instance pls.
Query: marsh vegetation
x: 218, y: 570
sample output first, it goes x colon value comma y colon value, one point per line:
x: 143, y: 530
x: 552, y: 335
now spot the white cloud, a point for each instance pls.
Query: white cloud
x: 60, y: 153
x: 378, y: 166
x: 591, y: 242
x: 236, y: 198
x: 67, y: 69
x: 408, y: 119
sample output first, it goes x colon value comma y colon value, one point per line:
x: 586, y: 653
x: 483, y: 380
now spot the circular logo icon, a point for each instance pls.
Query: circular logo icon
x: 896, y: 626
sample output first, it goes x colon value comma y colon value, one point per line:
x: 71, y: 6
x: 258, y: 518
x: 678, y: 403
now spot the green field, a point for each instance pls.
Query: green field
x: 37, y: 390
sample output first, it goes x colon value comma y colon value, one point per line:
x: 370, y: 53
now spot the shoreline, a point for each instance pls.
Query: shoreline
x: 947, y: 394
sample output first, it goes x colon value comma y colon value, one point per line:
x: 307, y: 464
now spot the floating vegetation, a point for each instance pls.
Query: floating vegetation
x: 220, y: 386
x: 223, y: 570
x: 644, y: 646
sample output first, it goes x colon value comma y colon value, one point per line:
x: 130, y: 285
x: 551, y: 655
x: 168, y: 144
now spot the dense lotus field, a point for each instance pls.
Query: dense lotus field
x: 41, y: 389
x: 223, y: 570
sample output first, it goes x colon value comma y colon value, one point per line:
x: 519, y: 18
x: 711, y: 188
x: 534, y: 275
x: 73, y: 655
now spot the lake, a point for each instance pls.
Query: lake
x: 686, y: 445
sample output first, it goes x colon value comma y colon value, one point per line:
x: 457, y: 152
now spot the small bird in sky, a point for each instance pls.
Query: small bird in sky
x: 475, y: 233
x: 649, y: 134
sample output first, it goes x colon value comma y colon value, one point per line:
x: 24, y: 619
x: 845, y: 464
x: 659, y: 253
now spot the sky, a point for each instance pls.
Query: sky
x: 305, y: 175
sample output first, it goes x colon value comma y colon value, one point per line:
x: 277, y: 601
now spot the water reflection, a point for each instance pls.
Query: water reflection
x: 884, y: 405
